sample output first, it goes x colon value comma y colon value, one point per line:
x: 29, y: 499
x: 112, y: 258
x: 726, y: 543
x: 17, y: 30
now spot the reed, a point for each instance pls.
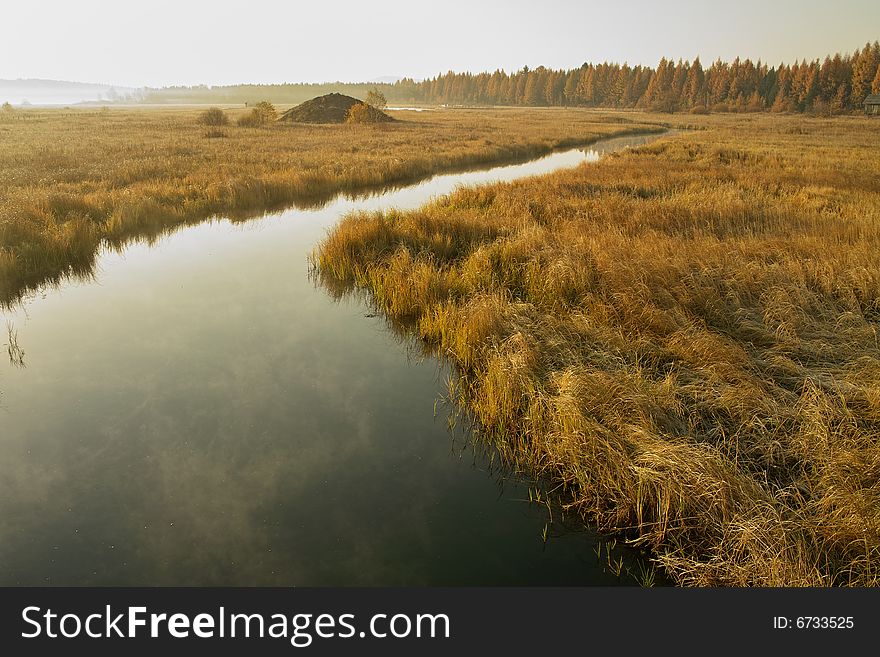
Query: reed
x: 72, y: 181
x: 682, y: 339
x: 13, y: 349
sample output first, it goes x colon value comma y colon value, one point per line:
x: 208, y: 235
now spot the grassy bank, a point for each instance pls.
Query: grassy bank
x: 72, y: 180
x: 683, y: 338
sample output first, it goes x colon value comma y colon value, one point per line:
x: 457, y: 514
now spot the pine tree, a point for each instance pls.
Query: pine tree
x: 840, y: 99
x: 533, y: 92
x: 571, y: 86
x: 836, y: 84
x: 658, y: 95
x: 864, y: 70
x: 679, y: 75
x: 809, y: 86
x: 694, y: 86
x: 519, y: 87
x: 718, y: 82
x: 783, y: 101
x: 585, y: 86
x: 641, y: 79
x: 768, y: 86
x: 622, y: 87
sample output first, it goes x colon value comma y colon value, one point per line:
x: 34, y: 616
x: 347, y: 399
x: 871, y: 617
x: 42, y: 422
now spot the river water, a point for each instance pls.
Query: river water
x: 202, y: 414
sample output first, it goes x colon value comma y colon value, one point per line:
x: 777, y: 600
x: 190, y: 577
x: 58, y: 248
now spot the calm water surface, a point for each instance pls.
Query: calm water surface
x: 202, y: 414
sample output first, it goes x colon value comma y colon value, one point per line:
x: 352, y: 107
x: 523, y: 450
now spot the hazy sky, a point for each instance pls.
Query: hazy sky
x: 160, y: 42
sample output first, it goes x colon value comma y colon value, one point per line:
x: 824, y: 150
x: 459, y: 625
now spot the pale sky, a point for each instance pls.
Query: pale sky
x: 163, y: 42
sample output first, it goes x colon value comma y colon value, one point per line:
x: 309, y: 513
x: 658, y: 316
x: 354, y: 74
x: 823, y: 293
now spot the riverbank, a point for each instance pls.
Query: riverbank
x: 683, y: 339
x: 72, y: 180
x: 202, y: 390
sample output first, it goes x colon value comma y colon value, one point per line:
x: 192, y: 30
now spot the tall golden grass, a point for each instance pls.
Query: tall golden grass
x: 74, y: 180
x: 683, y: 338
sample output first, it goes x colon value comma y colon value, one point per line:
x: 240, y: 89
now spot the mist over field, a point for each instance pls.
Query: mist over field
x: 54, y: 92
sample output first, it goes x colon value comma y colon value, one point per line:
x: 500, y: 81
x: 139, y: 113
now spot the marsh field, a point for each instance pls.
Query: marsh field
x: 74, y: 180
x: 673, y: 349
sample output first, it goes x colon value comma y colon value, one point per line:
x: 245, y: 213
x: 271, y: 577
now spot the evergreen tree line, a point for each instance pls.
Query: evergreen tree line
x: 838, y: 84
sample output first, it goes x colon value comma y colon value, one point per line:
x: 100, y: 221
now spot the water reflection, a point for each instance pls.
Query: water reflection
x: 202, y: 414
x: 13, y: 349
x: 83, y: 268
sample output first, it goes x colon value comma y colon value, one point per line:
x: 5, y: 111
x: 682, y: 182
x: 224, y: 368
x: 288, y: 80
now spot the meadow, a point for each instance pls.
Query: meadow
x: 75, y: 180
x: 682, y: 338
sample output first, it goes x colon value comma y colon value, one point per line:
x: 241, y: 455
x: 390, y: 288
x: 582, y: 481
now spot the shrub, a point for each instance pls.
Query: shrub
x: 249, y: 120
x: 213, y: 116
x: 262, y: 113
x: 364, y: 113
x: 358, y: 113
x: 7, y: 107
x: 376, y: 98
x: 266, y: 111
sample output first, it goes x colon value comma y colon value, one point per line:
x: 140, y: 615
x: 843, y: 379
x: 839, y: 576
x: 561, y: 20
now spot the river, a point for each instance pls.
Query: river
x: 201, y: 413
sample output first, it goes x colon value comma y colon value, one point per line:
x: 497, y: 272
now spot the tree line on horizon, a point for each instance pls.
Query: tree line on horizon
x: 838, y: 84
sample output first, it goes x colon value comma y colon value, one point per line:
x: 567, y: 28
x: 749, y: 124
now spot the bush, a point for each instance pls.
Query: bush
x: 245, y: 121
x: 7, y: 107
x: 213, y: 116
x: 358, y: 113
x: 376, y: 98
x: 262, y: 113
x: 363, y: 113
x: 249, y: 120
x: 266, y: 111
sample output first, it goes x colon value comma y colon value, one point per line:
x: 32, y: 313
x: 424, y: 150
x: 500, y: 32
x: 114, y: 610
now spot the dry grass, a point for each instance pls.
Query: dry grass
x: 683, y: 338
x: 72, y: 180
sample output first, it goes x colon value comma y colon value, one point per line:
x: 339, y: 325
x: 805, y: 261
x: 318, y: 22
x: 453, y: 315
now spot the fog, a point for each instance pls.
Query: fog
x: 47, y: 92
x: 163, y: 43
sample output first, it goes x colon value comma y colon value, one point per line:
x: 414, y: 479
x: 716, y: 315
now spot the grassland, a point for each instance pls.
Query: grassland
x: 683, y: 338
x: 74, y: 180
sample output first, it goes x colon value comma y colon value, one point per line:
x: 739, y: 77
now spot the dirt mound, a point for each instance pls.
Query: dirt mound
x: 332, y: 108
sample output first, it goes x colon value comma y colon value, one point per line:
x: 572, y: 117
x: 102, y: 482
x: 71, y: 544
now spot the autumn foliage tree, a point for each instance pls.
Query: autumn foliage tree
x: 376, y: 98
x: 840, y: 83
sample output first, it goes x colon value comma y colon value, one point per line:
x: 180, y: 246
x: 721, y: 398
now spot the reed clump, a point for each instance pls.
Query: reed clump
x: 683, y: 338
x: 72, y: 181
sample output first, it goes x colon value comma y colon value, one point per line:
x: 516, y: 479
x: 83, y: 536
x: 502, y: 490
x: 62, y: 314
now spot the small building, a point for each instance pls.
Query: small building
x: 872, y: 105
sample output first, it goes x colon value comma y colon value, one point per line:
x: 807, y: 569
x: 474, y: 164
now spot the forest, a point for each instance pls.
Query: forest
x: 838, y: 84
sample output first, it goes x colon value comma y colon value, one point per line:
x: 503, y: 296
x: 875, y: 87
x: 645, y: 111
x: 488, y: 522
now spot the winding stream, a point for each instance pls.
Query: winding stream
x: 202, y: 414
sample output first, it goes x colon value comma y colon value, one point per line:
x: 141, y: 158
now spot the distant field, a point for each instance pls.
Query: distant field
x: 683, y: 337
x: 73, y: 179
